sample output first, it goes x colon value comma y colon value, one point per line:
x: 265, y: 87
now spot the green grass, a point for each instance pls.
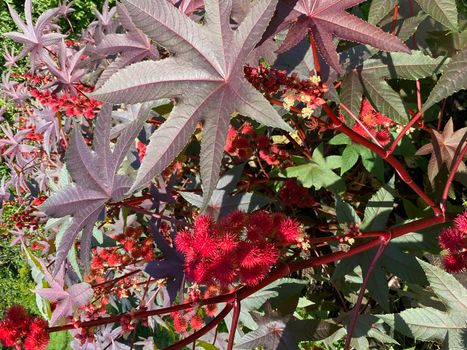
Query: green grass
x: 60, y: 341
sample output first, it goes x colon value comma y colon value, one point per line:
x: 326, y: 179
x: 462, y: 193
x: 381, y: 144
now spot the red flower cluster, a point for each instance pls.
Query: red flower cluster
x: 19, y: 328
x: 376, y: 123
x: 454, y: 240
x: 71, y: 105
x: 294, y: 195
x: 271, y: 81
x: 242, y: 143
x: 241, y: 248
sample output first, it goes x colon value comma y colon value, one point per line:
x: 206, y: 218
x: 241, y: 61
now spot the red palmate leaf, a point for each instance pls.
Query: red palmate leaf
x: 205, y: 76
x: 323, y: 19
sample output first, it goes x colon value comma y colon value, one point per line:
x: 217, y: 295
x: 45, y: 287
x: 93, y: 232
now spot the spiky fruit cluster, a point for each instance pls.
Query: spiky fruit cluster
x: 454, y: 241
x: 240, y: 248
x: 18, y: 329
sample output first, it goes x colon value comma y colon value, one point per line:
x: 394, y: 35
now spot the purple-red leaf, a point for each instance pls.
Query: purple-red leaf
x: 205, y: 76
x: 323, y: 19
x: 95, y: 181
x: 443, y: 149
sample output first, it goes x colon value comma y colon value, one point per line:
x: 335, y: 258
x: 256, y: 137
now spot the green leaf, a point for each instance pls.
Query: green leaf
x: 427, y: 324
x: 340, y: 139
x: 380, y: 9
x: 453, y: 79
x: 371, y: 326
x: 405, y: 28
x: 403, y: 265
x: 351, y: 96
x: 384, y: 98
x: 345, y: 212
x: 379, y: 207
x: 349, y: 158
x: 430, y: 324
x: 399, y: 65
x: 444, y: 11
x: 378, y: 284
x: 447, y: 288
x: 317, y: 173
x: 425, y: 241
x: 372, y: 163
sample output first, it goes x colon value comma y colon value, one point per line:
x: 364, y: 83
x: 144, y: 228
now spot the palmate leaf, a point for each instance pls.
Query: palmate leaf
x: 429, y: 324
x: 66, y: 300
x: 323, y: 19
x: 94, y: 181
x: 133, y: 46
x: 318, y: 173
x: 453, y: 79
x: 205, y: 76
x: 171, y: 267
x: 443, y: 149
x: 283, y: 332
x: 379, y: 9
x: 444, y: 11
x: 371, y: 79
x: 34, y: 37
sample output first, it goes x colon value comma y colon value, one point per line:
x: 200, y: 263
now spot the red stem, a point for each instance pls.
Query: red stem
x: 356, y: 308
x: 403, y: 132
x: 452, y: 174
x: 315, y: 55
x: 337, y: 124
x: 233, y: 327
x: 394, y: 18
x: 354, y: 117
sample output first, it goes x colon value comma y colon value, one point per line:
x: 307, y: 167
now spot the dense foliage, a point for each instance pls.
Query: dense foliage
x: 235, y: 174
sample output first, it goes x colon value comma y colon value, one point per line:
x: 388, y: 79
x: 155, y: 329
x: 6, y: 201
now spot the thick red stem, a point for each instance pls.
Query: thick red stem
x: 403, y: 132
x: 356, y: 308
x: 452, y: 174
x: 233, y: 327
x: 315, y: 55
x: 337, y: 124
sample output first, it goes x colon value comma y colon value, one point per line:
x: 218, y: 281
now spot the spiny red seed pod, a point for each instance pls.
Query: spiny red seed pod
x: 455, y: 262
x: 216, y: 253
x: 18, y: 327
x: 452, y: 239
x: 461, y: 222
x: 196, y: 322
x: 180, y: 323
